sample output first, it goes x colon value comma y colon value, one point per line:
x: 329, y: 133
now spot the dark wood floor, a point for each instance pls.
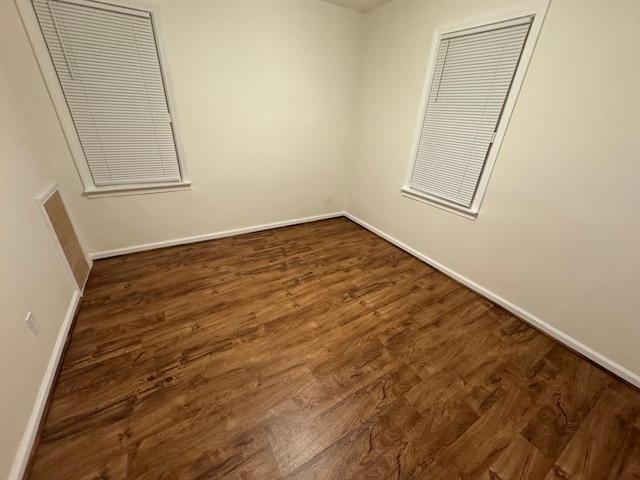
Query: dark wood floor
x: 320, y: 351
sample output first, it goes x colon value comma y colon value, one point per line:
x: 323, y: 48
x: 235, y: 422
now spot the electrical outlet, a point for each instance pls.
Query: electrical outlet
x: 328, y: 200
x: 31, y: 323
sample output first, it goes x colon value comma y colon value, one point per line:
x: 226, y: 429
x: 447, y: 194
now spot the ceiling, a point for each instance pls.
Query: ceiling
x: 360, y: 5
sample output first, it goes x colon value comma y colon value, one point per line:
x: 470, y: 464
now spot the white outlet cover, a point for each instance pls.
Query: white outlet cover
x: 31, y: 323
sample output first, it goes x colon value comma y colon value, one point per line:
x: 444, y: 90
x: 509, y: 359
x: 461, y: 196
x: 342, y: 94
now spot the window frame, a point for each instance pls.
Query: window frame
x: 45, y: 63
x: 538, y: 12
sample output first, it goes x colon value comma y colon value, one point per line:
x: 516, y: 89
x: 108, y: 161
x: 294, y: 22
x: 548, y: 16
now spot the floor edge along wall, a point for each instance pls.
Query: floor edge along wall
x: 522, y: 314
x: 210, y: 236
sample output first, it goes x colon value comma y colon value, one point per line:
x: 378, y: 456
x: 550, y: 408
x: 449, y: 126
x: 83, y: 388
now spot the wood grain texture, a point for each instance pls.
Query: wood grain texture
x: 67, y: 237
x: 320, y: 351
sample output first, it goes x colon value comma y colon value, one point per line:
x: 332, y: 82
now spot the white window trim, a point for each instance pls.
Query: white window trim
x: 538, y: 11
x: 56, y: 94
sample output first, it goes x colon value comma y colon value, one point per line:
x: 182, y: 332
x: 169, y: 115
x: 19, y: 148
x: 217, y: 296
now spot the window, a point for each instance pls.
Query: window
x: 471, y: 89
x: 108, y: 67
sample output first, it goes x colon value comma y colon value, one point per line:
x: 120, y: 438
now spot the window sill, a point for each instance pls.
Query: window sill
x: 124, y: 190
x: 468, y: 213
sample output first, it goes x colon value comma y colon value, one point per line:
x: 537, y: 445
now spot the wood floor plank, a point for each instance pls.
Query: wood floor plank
x: 443, y: 400
x: 485, y: 440
x: 375, y: 449
x: 521, y: 461
x: 295, y: 439
x: 605, y: 444
x: 558, y: 419
x: 319, y: 351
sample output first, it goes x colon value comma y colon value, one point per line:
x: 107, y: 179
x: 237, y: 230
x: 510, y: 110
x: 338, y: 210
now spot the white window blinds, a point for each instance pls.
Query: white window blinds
x: 106, y: 60
x: 472, y: 76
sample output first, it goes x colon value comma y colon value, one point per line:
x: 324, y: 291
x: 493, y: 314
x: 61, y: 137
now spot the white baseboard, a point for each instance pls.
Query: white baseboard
x: 24, y: 450
x: 525, y: 316
x: 209, y: 236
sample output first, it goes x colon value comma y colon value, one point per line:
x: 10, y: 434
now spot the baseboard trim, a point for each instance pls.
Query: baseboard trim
x: 23, y: 455
x: 210, y: 236
x: 525, y: 316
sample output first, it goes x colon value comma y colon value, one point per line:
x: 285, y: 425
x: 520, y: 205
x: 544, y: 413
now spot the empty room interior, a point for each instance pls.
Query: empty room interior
x: 316, y: 239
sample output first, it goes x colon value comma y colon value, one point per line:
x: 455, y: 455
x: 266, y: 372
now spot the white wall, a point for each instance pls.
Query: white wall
x: 32, y: 273
x: 265, y: 96
x: 557, y: 234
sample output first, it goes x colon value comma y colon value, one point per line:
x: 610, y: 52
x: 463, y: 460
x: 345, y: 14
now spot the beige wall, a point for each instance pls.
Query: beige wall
x: 558, y: 232
x: 32, y: 274
x: 265, y: 96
